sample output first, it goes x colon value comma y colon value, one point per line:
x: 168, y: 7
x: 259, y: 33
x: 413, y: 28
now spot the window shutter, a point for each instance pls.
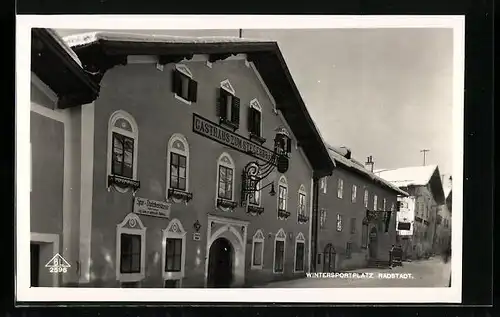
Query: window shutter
x: 257, y: 119
x: 251, y: 120
x: 193, y: 90
x: 221, y: 104
x: 288, y: 145
x: 176, y: 82
x: 235, y: 111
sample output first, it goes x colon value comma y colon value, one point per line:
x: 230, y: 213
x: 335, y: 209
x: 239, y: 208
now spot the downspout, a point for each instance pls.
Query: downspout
x: 314, y: 227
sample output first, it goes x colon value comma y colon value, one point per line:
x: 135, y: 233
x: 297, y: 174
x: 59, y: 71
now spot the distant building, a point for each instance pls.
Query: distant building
x: 443, y: 229
x: 159, y: 194
x: 357, y: 220
x: 425, y: 189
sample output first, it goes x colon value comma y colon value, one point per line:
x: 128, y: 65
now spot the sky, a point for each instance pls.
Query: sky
x: 380, y: 92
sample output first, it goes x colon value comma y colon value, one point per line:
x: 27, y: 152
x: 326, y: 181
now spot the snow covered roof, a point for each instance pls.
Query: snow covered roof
x: 64, y: 46
x: 408, y: 176
x: 92, y: 37
x: 337, y: 154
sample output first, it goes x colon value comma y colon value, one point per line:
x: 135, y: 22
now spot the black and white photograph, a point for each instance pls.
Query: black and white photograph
x: 272, y: 161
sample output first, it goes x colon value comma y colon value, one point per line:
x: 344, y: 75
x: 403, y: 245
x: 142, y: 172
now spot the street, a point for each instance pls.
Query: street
x: 424, y: 273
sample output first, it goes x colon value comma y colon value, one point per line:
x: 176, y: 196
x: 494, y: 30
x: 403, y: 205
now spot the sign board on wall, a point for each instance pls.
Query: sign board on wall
x: 406, y: 214
x: 154, y: 208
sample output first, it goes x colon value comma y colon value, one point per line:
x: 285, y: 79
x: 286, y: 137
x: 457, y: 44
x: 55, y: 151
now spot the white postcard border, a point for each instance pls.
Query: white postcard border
x: 305, y: 295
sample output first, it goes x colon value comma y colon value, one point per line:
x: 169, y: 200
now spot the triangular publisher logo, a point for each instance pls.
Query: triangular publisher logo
x: 57, y: 261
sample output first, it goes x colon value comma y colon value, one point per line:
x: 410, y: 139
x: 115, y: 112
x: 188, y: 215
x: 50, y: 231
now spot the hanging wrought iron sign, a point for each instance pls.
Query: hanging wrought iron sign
x: 254, y: 172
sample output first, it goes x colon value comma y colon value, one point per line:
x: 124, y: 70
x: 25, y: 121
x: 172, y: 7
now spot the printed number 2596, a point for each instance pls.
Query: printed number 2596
x: 58, y: 270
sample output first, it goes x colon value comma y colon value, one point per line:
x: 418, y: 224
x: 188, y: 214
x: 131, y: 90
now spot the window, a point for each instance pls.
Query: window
x: 393, y: 207
x: 375, y: 202
x: 279, y: 252
x: 353, y: 225
x: 322, y: 218
x: 255, y: 118
x: 348, y: 250
x: 183, y: 85
x: 364, y: 234
x: 178, y: 163
x: 384, y: 203
x: 353, y: 193
x: 257, y: 250
x: 282, y: 194
x: 323, y: 184
x: 122, y: 145
x: 340, y: 188
x: 228, y: 105
x: 174, y: 252
x: 302, y: 201
x: 366, y: 198
x: 299, y: 253
x: 339, y: 222
x: 254, y: 197
x: 225, y: 177
x: 130, y: 249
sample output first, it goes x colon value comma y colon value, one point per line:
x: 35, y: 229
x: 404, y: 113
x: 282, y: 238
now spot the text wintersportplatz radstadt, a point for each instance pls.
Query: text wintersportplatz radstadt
x: 365, y: 275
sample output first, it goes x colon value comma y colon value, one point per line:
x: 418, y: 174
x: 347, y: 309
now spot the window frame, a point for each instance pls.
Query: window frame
x: 340, y: 188
x: 258, y: 237
x: 131, y: 225
x: 384, y: 204
x: 354, y: 192
x: 280, y: 236
x: 174, y: 230
x: 375, y: 202
x: 228, y: 89
x: 226, y: 161
x: 257, y: 194
x: 339, y: 224
x: 299, y: 239
x: 324, y: 184
x: 177, y: 137
x: 186, y: 72
x: 322, y: 219
x: 366, y: 198
x: 301, y: 192
x: 134, y: 135
x: 282, y: 183
x: 255, y: 104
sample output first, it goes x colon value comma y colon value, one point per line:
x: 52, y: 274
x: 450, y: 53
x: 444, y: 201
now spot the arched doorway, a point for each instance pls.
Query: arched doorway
x: 373, y: 243
x: 329, y: 257
x: 220, y: 264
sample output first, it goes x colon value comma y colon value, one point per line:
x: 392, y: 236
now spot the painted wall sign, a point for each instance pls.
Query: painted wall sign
x: 152, y: 208
x: 196, y: 236
x: 219, y: 134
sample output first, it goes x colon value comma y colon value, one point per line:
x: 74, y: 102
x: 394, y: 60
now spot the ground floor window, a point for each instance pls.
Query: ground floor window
x: 300, y: 247
x: 130, y: 250
x: 279, y: 252
x: 257, y: 250
x: 174, y: 251
x: 173, y: 255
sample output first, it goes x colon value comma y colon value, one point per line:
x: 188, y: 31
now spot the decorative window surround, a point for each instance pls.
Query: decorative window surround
x: 225, y: 204
x: 174, y: 230
x: 299, y: 239
x: 124, y: 124
x: 255, y: 121
x: 132, y: 224
x: 282, y: 198
x: 226, y: 85
x: 191, y: 85
x: 280, y: 236
x: 340, y: 188
x: 178, y: 144
x: 228, y: 106
x: 258, y: 237
x: 302, y: 216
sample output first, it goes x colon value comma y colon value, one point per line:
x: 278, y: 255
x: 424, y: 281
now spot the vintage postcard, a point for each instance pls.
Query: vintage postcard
x: 265, y: 159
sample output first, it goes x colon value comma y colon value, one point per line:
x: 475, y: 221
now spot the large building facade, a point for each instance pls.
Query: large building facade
x: 167, y: 153
x: 357, y: 216
x: 424, y: 186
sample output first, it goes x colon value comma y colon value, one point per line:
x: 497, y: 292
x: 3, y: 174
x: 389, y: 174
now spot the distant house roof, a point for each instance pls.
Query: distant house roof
x: 338, y: 154
x: 99, y: 51
x: 55, y: 63
x: 416, y: 176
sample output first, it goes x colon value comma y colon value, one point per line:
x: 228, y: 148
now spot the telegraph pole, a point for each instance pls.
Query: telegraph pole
x: 424, y: 151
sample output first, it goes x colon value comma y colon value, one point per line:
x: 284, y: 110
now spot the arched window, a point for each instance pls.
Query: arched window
x: 301, y: 204
x: 178, y: 163
x: 123, y: 136
x: 174, y: 253
x: 366, y: 198
x: 279, y: 252
x: 130, y: 250
x: 282, y: 197
x: 257, y: 250
x: 255, y: 119
x: 300, y: 247
x: 225, y: 181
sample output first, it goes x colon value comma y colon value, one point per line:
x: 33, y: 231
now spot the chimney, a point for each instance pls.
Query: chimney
x: 369, y: 163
